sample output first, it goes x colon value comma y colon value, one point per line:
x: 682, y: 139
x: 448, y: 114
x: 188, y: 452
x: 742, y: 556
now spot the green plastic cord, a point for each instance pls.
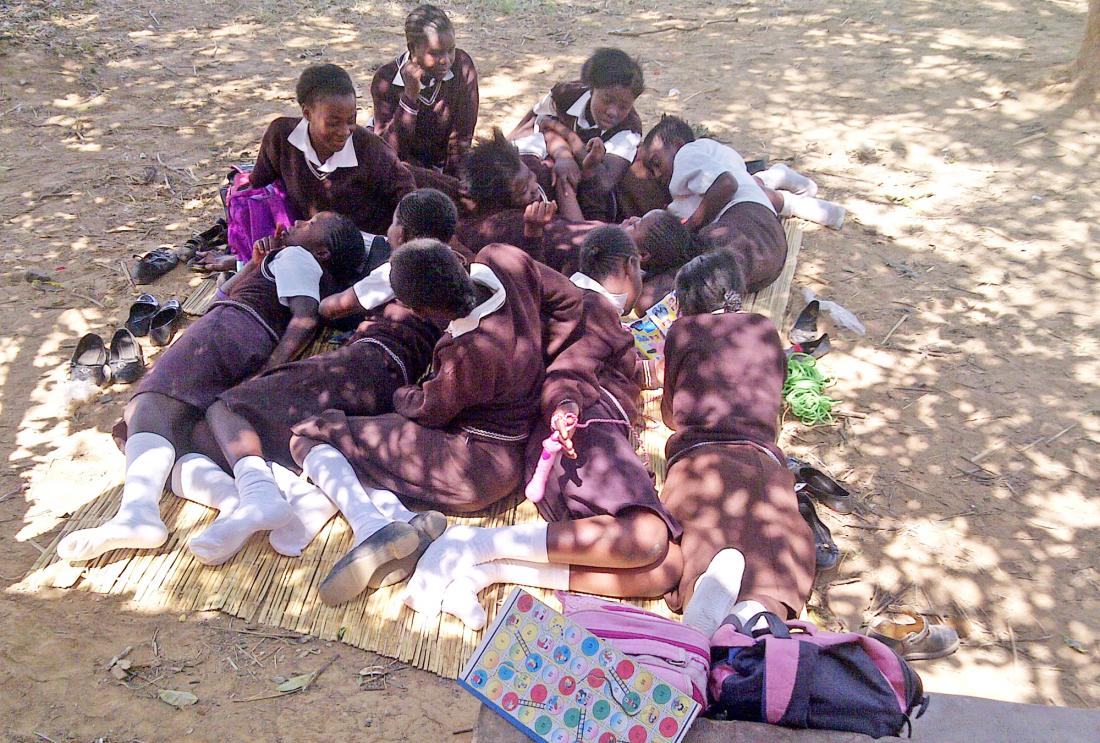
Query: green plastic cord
x: 804, y: 390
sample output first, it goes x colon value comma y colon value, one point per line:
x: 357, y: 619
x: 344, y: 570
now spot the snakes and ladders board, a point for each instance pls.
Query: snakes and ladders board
x: 559, y: 683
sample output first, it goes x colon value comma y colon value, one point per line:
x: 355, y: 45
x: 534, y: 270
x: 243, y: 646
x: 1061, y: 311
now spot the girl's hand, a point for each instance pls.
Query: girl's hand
x: 265, y: 246
x: 566, y: 172
x: 537, y: 215
x: 411, y: 74
x: 595, y: 153
x: 564, y: 423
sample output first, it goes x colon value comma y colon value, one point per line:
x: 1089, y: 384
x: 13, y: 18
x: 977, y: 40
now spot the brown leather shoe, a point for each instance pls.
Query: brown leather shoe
x: 910, y: 635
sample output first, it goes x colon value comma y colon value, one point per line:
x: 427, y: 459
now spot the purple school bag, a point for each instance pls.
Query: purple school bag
x: 673, y: 652
x: 253, y: 213
x: 794, y: 675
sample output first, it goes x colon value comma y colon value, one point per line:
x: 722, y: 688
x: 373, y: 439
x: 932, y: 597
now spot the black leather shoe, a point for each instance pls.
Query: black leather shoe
x: 126, y: 361
x: 820, y: 486
x: 163, y: 326
x: 216, y: 235
x: 805, y: 326
x: 826, y: 551
x: 153, y: 265
x: 141, y: 314
x: 89, y: 362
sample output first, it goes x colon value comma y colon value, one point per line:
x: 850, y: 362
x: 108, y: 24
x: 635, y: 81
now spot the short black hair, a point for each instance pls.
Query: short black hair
x: 426, y: 273
x: 347, y: 251
x: 489, y: 170
x: 603, y: 249
x: 671, y: 129
x: 667, y: 243
x: 709, y: 282
x: 323, y: 80
x: 608, y: 67
x: 427, y: 212
x: 422, y: 18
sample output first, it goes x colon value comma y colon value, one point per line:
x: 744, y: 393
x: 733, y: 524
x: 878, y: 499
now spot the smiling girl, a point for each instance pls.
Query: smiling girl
x: 426, y: 100
x: 328, y: 162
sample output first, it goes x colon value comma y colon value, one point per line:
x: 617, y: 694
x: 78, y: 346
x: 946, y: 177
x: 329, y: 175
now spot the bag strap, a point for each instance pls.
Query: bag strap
x: 776, y: 626
x: 780, y: 674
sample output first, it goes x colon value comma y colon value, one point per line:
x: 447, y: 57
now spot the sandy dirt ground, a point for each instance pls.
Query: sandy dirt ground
x: 970, y: 430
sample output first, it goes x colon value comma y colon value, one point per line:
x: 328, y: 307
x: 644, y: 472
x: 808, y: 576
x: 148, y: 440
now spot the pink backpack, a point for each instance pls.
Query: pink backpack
x: 674, y: 652
x: 254, y: 213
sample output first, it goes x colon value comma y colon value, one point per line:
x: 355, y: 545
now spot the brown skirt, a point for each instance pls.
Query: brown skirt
x: 222, y: 348
x: 736, y: 495
x: 606, y: 478
x: 755, y: 235
x: 450, y: 471
x: 359, y: 379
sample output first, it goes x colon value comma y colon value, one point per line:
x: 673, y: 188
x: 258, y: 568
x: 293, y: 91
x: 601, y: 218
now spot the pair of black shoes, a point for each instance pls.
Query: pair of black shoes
x: 803, y: 334
x: 94, y: 362
x: 148, y: 317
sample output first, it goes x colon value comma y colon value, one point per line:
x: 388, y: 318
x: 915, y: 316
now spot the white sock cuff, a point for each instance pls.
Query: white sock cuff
x: 252, y: 465
x: 144, y: 441
x: 746, y: 610
x: 189, y: 466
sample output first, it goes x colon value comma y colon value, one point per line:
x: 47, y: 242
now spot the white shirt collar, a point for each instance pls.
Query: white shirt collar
x: 398, y: 80
x: 579, y: 108
x: 345, y: 158
x: 585, y: 281
x: 481, y: 274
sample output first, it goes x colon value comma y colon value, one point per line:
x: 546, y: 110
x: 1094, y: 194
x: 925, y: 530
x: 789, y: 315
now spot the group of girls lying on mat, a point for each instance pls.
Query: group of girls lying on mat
x: 490, y: 316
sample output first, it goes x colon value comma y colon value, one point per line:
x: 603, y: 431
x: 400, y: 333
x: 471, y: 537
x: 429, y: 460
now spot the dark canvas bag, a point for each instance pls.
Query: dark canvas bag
x: 794, y: 675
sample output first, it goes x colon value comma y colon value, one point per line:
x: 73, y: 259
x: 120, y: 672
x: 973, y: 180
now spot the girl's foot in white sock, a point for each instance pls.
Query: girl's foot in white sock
x: 781, y: 177
x: 744, y: 611
x: 261, y: 508
x: 818, y: 211
x: 715, y: 592
x: 312, y: 510
x: 460, y: 548
x: 137, y: 525
x: 460, y: 598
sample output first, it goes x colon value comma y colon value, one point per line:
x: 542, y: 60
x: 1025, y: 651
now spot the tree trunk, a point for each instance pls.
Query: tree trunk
x: 1088, y: 59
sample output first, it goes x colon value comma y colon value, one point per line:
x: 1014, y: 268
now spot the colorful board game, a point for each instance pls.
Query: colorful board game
x: 559, y: 683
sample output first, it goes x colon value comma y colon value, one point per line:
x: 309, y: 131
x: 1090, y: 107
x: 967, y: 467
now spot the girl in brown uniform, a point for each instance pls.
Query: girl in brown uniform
x: 270, y: 313
x: 456, y: 440
x: 606, y: 528
x: 745, y: 547
x: 426, y: 100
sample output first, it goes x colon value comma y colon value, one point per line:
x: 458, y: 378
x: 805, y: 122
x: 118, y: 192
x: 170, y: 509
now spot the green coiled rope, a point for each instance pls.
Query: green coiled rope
x: 804, y: 390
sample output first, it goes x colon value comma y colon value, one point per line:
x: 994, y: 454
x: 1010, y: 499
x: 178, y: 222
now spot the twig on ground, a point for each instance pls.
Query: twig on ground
x: 86, y: 298
x: 634, y: 34
x: 43, y: 736
x: 129, y: 278
x: 257, y: 634
x: 896, y: 326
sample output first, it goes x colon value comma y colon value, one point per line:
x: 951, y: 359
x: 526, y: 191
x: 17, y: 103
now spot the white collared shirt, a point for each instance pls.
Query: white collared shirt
x: 698, y: 165
x: 374, y: 290
x: 481, y: 274
x: 624, y: 144
x: 296, y: 273
x: 345, y: 158
x: 584, y: 281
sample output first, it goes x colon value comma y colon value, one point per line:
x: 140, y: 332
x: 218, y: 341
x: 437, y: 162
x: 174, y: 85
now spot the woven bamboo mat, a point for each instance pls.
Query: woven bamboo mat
x: 258, y: 585
x: 199, y: 301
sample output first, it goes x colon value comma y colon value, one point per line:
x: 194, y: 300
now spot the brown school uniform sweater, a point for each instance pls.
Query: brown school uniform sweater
x: 367, y: 194
x: 486, y: 381
x: 723, y: 377
x: 404, y: 333
x: 603, y: 356
x: 439, y: 133
x: 257, y: 291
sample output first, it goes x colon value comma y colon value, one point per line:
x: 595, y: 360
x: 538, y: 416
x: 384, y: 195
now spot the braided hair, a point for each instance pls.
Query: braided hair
x: 710, y: 282
x: 667, y: 243
x: 347, y: 252
x: 427, y: 212
x: 604, y: 249
x: 323, y: 80
x: 423, y: 18
x: 427, y: 274
x: 671, y: 130
x: 608, y: 67
x: 490, y: 168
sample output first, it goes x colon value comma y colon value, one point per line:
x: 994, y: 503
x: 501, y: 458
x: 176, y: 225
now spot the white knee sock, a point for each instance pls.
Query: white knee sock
x: 197, y: 478
x: 460, y: 598
x: 813, y: 210
x: 137, y: 525
x: 261, y: 508
x: 715, y: 591
x: 746, y: 610
x: 460, y: 548
x: 312, y: 510
x: 780, y: 177
x: 391, y: 506
x: 333, y: 474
